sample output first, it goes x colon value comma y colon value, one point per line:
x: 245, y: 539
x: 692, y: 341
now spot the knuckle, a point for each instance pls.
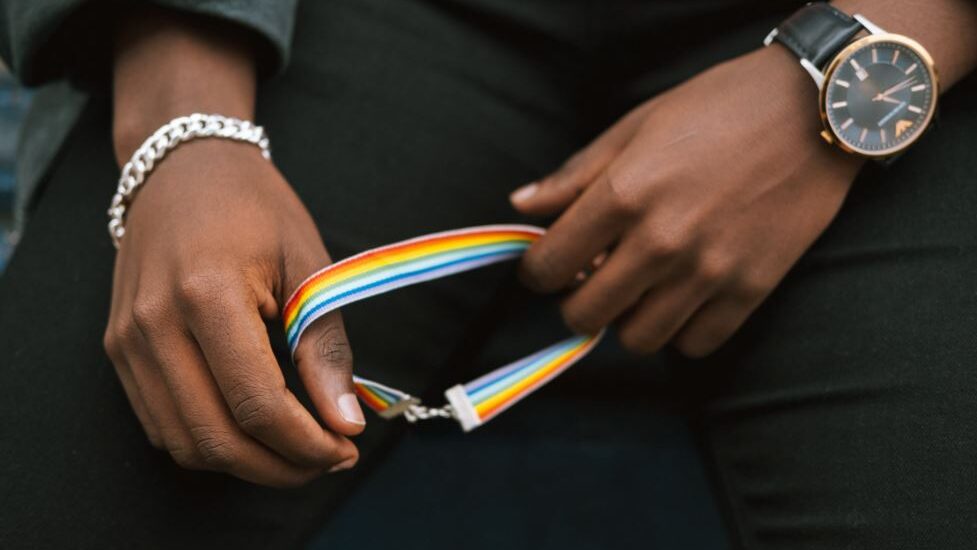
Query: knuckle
x: 579, y: 321
x: 124, y: 331
x: 663, y: 245
x: 200, y: 287
x: 154, y: 439
x: 638, y: 342
x: 695, y: 346
x: 713, y: 268
x: 214, y: 447
x: 753, y: 287
x: 147, y: 314
x: 622, y: 193
x: 333, y: 347
x: 112, y: 346
x: 540, y: 271
x: 255, y: 412
x: 186, y: 457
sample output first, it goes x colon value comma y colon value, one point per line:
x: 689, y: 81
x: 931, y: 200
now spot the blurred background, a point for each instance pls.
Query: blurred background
x: 14, y: 101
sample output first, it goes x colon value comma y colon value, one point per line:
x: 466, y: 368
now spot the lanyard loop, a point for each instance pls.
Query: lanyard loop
x: 424, y: 259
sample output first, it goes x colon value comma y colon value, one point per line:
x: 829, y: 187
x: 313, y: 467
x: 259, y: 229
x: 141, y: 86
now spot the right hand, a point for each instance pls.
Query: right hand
x: 216, y: 240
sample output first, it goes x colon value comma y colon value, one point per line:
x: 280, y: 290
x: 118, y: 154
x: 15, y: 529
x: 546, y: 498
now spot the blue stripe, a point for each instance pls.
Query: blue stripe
x: 519, y: 374
x: 386, y: 396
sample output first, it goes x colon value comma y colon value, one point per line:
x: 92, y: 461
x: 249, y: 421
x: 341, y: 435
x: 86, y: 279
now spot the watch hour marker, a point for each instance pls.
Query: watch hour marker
x: 911, y: 68
x: 839, y: 104
x: 875, y: 55
x: 847, y: 123
x: 918, y: 87
x: 861, y: 137
x: 895, y: 55
x: 859, y: 71
x: 882, y: 135
x: 842, y: 83
x: 914, y: 109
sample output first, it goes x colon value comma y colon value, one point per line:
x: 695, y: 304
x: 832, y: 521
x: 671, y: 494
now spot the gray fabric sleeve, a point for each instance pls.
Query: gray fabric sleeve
x: 45, y: 40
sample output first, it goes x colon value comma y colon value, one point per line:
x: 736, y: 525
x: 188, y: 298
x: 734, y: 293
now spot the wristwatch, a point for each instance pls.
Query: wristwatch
x: 877, y: 90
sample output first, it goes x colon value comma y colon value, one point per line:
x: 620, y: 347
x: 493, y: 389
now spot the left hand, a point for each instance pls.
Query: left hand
x: 702, y: 199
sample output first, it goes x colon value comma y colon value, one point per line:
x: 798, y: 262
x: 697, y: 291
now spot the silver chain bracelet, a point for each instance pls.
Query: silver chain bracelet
x: 171, y: 134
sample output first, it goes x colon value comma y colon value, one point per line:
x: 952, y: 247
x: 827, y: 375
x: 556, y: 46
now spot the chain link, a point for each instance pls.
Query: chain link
x: 418, y: 412
x: 177, y: 131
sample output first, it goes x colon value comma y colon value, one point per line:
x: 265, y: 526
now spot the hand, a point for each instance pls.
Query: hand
x: 702, y: 198
x: 216, y: 240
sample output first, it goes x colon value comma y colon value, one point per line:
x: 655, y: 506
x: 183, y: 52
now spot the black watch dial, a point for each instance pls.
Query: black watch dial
x: 879, y: 96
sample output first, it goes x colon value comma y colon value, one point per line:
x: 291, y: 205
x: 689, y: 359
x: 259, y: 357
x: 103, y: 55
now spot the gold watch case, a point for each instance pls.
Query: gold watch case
x: 829, y: 134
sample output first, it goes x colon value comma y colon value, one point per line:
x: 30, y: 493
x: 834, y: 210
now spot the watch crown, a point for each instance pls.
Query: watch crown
x: 826, y: 136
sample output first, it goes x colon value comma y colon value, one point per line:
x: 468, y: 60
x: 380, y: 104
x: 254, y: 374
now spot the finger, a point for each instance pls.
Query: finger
x: 713, y: 324
x: 173, y: 434
x: 113, y: 345
x: 557, y: 190
x: 221, y: 444
x: 124, y: 374
x: 586, y: 229
x: 223, y: 318
x: 660, y: 314
x: 632, y: 268
x: 325, y: 365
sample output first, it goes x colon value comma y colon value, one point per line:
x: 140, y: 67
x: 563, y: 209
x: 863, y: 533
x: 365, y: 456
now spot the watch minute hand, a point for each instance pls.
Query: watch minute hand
x: 894, y: 89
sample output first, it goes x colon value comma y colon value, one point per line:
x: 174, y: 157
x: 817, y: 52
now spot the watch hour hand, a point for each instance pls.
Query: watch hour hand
x: 888, y: 99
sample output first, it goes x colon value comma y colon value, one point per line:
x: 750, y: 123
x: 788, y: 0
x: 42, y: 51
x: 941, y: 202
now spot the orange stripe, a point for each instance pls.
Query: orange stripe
x: 487, y: 408
x: 347, y: 265
x: 371, y: 400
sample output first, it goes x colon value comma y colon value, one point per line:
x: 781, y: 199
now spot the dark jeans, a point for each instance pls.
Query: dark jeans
x: 840, y: 416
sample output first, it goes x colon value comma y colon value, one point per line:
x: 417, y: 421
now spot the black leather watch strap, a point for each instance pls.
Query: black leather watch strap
x: 817, y: 32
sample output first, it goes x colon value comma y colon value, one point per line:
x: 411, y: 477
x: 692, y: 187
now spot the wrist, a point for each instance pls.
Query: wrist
x: 793, y: 104
x: 167, y: 66
x: 793, y: 95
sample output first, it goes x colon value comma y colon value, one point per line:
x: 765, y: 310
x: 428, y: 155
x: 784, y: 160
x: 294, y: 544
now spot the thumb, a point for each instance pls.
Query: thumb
x: 325, y: 364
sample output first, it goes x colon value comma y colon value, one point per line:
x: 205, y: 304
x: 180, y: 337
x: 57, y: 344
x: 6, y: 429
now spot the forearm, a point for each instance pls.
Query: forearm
x: 168, y: 65
x: 946, y: 28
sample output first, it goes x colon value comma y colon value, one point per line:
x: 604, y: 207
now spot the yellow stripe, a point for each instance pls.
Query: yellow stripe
x: 383, y: 260
x: 516, y: 389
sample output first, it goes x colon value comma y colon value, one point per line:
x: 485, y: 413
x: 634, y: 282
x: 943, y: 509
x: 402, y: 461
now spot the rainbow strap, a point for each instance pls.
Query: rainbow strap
x: 423, y: 259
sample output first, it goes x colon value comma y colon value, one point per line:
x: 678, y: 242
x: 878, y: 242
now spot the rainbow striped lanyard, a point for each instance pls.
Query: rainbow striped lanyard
x: 424, y: 259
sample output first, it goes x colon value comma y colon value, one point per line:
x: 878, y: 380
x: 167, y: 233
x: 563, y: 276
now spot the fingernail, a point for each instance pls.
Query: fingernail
x: 524, y: 192
x: 345, y: 465
x: 349, y: 407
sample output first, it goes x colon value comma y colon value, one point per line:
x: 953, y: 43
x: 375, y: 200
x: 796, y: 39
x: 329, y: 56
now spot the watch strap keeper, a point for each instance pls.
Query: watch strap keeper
x: 816, y: 32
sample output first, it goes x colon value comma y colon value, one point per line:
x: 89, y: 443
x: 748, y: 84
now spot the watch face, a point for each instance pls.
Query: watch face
x: 879, y: 95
